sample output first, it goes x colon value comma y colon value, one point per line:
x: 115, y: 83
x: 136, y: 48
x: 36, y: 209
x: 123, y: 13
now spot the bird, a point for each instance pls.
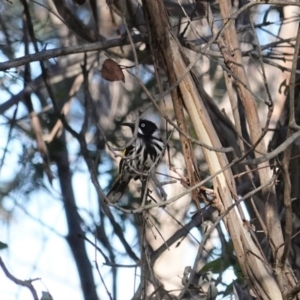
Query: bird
x: 143, y: 154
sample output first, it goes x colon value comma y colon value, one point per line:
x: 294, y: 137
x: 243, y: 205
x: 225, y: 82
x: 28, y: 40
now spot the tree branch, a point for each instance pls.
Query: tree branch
x: 47, y: 54
x: 26, y: 283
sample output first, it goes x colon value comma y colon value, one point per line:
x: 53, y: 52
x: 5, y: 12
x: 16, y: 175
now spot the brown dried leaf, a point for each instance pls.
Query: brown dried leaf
x: 111, y: 71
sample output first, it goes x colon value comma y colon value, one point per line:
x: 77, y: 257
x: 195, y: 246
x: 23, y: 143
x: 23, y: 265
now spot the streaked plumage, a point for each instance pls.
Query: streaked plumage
x: 139, y: 157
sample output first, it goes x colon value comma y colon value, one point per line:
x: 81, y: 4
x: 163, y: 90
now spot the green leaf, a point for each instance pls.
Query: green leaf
x: 3, y: 245
x: 216, y: 266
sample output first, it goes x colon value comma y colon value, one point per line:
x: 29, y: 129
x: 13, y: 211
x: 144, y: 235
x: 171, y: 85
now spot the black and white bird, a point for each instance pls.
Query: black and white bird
x: 142, y: 155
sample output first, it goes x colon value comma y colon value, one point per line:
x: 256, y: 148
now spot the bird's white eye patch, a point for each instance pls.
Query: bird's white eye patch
x: 143, y: 125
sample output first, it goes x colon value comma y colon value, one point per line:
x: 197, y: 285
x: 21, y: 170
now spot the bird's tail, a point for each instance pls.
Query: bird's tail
x: 117, y: 190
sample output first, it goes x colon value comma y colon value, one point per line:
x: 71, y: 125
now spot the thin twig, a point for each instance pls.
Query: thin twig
x: 275, y: 152
x: 103, y: 281
x: 26, y: 283
x: 47, y: 54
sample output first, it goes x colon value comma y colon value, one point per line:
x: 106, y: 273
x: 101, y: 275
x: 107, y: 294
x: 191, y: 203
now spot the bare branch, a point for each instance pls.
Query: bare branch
x: 26, y: 283
x: 47, y: 54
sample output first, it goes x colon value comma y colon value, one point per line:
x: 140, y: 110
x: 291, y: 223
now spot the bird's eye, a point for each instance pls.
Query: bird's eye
x: 143, y: 125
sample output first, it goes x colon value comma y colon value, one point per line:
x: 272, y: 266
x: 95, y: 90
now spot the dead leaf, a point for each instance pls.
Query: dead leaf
x: 111, y: 71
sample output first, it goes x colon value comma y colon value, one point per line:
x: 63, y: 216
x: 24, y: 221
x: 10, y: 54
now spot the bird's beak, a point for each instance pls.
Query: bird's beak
x: 131, y: 125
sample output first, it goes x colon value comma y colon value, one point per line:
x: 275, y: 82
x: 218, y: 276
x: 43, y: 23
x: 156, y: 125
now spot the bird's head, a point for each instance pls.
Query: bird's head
x: 146, y: 128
